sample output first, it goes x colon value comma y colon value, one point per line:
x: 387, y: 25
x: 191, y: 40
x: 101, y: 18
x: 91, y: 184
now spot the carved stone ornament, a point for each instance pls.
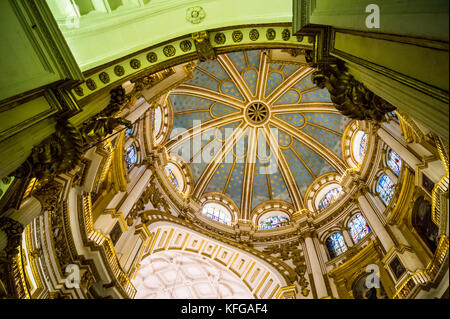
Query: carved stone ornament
x: 351, y: 97
x: 195, y: 15
x: 57, y: 154
x: 290, y: 251
x: 48, y: 195
x: 205, y: 50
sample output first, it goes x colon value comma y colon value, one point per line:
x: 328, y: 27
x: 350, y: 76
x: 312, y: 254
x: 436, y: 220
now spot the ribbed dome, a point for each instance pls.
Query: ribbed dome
x: 255, y: 130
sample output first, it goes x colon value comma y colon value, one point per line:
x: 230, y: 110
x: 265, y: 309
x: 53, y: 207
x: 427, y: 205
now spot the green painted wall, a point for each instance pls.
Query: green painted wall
x: 103, y: 37
x: 416, y: 18
x: 23, y: 67
x: 425, y: 64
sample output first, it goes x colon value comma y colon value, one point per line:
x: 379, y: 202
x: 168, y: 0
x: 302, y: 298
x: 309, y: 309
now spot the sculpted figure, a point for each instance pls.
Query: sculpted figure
x: 351, y: 97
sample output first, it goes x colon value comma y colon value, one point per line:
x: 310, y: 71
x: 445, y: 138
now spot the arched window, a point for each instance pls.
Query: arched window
x: 131, y: 156
x: 157, y: 120
x: 394, y: 162
x: 385, y: 188
x: 217, y: 212
x: 330, y: 197
x: 358, y: 227
x: 359, y: 146
x: 173, y: 179
x: 129, y: 131
x: 273, y: 222
x: 336, y: 245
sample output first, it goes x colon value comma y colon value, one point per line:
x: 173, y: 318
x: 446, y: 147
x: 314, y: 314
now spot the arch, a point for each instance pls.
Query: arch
x: 335, y: 244
x: 186, y: 275
x: 254, y: 270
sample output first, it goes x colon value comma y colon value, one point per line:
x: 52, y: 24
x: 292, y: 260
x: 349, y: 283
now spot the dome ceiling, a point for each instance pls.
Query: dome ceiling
x: 255, y: 130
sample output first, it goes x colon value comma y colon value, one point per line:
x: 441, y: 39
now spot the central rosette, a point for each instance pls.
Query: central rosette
x: 257, y: 113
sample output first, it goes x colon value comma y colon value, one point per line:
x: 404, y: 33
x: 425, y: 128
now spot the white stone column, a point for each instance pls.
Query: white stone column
x: 347, y: 238
x: 134, y: 194
x: 319, y: 281
x: 375, y: 224
x: 376, y: 199
x: 138, y: 111
x: 400, y: 149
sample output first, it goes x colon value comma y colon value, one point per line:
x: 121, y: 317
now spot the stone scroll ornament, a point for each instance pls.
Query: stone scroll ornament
x: 351, y: 97
x: 62, y: 151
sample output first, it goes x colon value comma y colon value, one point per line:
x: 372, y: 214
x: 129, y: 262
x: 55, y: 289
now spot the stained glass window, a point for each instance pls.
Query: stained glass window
x: 173, y: 179
x: 217, y: 212
x: 129, y: 131
x: 131, y: 157
x: 273, y: 222
x: 363, y: 146
x: 360, y: 146
x: 157, y: 120
x: 385, y: 188
x: 336, y: 245
x: 358, y: 227
x: 394, y: 162
x: 330, y: 197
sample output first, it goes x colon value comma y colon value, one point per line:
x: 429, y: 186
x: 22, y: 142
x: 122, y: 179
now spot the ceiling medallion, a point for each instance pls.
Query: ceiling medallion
x: 257, y: 113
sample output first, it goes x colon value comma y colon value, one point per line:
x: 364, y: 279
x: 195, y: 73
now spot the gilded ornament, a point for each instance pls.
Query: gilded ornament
x: 104, y: 77
x: 205, y: 51
x: 135, y: 63
x: 286, y: 34
x: 169, y: 51
x: 79, y: 91
x: 220, y: 38
x: 237, y: 36
x: 91, y: 84
x: 185, y: 45
x: 195, y: 15
x: 254, y: 35
x: 271, y: 34
x: 299, y: 38
x: 152, y: 57
x: 119, y: 70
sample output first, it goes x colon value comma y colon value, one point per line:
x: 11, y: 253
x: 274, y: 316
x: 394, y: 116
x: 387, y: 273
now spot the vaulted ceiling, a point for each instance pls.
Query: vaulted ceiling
x: 255, y: 130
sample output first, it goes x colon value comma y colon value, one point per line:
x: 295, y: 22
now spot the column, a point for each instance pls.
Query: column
x: 375, y: 224
x: 134, y: 194
x: 139, y: 110
x: 319, y: 281
x: 401, y: 150
x: 347, y: 238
